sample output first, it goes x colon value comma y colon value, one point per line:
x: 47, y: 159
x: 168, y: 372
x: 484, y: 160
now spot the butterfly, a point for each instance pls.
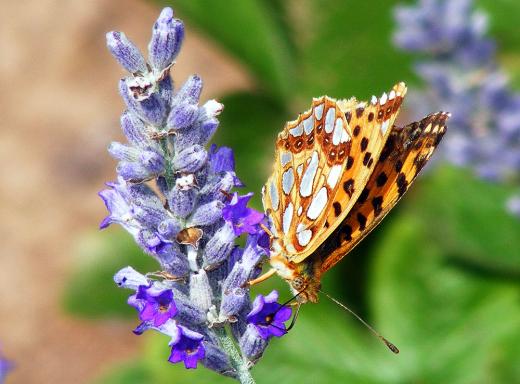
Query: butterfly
x: 338, y: 170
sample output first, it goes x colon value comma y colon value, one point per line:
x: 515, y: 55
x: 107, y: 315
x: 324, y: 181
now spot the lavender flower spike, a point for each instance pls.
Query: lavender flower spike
x: 174, y: 198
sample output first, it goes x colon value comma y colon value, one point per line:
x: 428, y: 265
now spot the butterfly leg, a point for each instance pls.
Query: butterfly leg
x: 260, y: 278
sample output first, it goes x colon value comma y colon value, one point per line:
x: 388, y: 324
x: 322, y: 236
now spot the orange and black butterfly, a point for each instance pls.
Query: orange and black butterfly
x: 339, y: 169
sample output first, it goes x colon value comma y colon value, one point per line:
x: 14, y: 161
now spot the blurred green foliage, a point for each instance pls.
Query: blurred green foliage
x: 440, y: 277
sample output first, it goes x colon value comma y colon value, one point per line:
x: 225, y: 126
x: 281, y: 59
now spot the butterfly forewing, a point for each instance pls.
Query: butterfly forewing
x: 323, y: 161
x: 292, y: 196
x: 405, y: 153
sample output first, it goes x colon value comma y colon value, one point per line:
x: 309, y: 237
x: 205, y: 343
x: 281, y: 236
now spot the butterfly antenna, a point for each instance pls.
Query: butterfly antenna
x: 390, y: 346
x: 293, y: 321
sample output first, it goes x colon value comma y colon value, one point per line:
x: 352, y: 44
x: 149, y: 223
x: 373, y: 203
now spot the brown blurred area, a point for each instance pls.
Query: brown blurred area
x: 59, y: 110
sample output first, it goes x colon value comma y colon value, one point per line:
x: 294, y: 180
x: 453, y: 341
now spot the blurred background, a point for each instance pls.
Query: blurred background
x: 439, y: 277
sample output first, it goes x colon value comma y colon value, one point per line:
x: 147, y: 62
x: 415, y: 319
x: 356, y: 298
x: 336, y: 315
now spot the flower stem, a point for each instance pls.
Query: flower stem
x: 239, y: 363
x: 168, y: 176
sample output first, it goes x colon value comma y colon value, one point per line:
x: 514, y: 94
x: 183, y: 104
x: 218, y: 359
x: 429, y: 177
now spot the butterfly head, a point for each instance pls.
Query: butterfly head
x: 300, y: 276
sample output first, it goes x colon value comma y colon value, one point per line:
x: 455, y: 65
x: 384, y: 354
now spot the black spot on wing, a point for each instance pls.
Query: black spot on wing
x: 402, y: 184
x: 377, y: 204
x: 364, y: 144
x: 337, y: 208
x: 381, y: 179
x: 362, y: 220
x: 363, y: 196
x: 348, y: 187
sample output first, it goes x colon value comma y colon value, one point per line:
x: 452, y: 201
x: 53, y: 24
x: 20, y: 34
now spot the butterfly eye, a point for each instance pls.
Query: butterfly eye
x: 298, y: 283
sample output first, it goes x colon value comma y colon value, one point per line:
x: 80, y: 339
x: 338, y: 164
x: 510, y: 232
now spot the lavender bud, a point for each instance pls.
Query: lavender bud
x: 190, y: 160
x: 166, y: 90
x: 188, y: 137
x: 213, y: 189
x: 152, y: 109
x: 190, y: 91
x: 149, y: 241
x: 236, y: 278
x: 125, y: 52
x: 200, y: 290
x: 188, y: 313
x: 233, y: 302
x: 251, y: 344
x: 169, y: 228
x: 122, y: 152
x: 167, y: 36
x: 130, y: 278
x: 182, y: 116
x: 181, y: 201
x: 134, y: 130
x: 207, y: 130
x: 217, y: 360
x: 206, y: 214
x: 219, y: 246
x: 152, y: 161
x: 132, y: 171
x: 172, y: 260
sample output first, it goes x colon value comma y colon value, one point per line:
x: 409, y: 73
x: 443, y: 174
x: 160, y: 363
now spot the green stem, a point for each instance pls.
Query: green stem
x: 237, y: 361
x: 168, y: 174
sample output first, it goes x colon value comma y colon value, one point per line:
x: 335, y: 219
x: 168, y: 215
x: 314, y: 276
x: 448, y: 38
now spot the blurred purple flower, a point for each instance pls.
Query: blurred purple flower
x: 268, y: 316
x: 5, y: 367
x: 243, y: 219
x: 458, y: 63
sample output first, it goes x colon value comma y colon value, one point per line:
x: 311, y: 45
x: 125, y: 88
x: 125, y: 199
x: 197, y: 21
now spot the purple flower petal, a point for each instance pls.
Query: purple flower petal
x: 243, y: 219
x: 268, y: 316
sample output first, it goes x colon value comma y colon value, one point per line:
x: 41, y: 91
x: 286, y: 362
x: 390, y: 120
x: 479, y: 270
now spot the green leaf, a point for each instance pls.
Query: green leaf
x: 251, y: 30
x: 469, y: 217
x: 349, y: 50
x: 91, y: 291
x: 449, y: 322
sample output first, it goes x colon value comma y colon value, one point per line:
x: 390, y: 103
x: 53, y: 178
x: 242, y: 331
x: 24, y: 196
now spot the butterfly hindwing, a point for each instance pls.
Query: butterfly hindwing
x: 405, y: 153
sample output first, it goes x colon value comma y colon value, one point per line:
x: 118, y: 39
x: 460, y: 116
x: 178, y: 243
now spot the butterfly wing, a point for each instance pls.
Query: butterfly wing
x: 323, y: 160
x: 405, y: 153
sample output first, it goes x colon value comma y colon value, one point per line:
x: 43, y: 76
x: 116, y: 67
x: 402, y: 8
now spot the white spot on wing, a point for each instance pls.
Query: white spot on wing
x: 299, y: 169
x: 384, y: 126
x: 300, y: 210
x: 334, y: 174
x: 303, y: 235
x: 344, y: 136
x: 391, y: 96
x: 318, y: 111
x: 374, y: 100
x: 383, y: 99
x: 317, y: 204
x: 287, y: 218
x: 308, y: 124
x: 273, y: 193
x: 308, y: 176
x: 338, y: 128
x: 288, y: 181
x: 285, y: 158
x: 297, y: 131
x: 329, y: 119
